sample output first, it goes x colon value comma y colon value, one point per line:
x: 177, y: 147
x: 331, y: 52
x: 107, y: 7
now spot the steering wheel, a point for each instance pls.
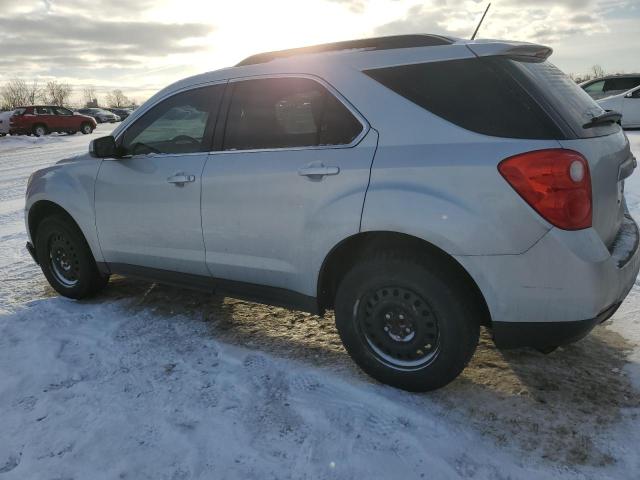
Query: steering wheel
x: 143, y: 146
x: 185, y: 138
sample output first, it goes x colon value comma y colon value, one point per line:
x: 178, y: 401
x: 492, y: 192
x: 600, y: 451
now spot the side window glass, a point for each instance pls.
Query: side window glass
x: 595, y: 87
x: 62, y: 111
x: 43, y: 111
x: 286, y: 113
x: 182, y: 123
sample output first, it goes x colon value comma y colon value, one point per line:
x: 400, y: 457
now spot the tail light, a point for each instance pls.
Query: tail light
x: 555, y: 182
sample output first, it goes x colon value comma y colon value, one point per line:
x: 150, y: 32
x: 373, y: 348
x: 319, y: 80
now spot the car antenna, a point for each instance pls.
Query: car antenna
x: 480, y: 22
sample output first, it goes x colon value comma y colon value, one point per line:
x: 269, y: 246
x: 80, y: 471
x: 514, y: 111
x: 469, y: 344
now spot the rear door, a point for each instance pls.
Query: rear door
x: 288, y: 183
x: 46, y: 116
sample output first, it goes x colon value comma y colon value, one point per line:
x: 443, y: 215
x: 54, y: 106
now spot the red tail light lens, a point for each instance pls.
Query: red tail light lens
x: 555, y: 182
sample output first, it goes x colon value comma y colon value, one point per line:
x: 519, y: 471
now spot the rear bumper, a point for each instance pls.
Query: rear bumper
x: 546, y: 334
x: 559, y: 289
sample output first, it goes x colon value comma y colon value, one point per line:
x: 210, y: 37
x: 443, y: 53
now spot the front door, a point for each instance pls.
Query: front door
x: 288, y: 183
x: 148, y: 202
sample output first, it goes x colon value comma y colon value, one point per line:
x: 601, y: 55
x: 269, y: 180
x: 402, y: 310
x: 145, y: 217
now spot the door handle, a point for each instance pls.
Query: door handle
x: 180, y: 179
x: 318, y: 171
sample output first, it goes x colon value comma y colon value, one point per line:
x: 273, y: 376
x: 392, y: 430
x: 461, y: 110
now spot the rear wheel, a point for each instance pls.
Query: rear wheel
x: 66, y: 260
x: 40, y: 130
x: 407, y: 323
x: 86, y: 128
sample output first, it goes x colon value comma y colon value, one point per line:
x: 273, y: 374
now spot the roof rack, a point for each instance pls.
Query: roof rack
x: 375, y: 43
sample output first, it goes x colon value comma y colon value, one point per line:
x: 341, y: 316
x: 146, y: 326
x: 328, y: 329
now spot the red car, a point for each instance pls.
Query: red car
x: 41, y: 120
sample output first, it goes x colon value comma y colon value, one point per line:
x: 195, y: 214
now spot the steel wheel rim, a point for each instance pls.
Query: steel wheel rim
x: 87, y: 129
x: 63, y: 260
x: 399, y: 327
x: 40, y: 131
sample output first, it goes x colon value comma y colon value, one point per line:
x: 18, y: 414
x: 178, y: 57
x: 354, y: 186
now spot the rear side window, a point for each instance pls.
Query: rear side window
x: 286, y: 113
x: 621, y: 84
x: 182, y: 123
x: 472, y: 94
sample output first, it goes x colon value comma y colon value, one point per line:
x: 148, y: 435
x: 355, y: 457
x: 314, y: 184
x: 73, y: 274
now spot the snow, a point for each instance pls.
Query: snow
x: 148, y: 381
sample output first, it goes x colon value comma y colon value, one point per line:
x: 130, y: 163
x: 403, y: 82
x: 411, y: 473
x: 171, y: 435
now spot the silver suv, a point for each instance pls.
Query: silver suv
x: 420, y: 186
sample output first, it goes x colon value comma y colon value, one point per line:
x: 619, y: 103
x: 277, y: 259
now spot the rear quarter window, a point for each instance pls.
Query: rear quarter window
x: 474, y: 94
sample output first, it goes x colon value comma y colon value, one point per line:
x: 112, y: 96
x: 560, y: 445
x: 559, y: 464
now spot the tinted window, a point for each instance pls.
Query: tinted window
x: 62, y: 111
x: 471, y: 93
x: 621, y: 84
x: 44, y: 111
x: 595, y: 87
x: 571, y: 102
x: 181, y: 124
x: 286, y: 112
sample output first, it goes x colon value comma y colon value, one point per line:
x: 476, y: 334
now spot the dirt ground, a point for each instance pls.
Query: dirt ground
x: 557, y: 406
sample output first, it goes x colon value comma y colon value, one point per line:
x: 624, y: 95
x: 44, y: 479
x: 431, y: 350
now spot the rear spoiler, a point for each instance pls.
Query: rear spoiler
x: 530, y: 52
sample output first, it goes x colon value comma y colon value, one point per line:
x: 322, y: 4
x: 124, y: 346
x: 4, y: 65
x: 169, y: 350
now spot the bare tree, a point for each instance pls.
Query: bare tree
x: 14, y: 93
x: 597, y: 71
x: 89, y: 95
x: 57, y: 93
x: 117, y: 99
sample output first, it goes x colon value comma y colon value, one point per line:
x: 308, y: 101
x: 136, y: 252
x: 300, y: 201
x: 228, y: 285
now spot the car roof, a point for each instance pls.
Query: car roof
x: 615, y: 75
x: 370, y: 44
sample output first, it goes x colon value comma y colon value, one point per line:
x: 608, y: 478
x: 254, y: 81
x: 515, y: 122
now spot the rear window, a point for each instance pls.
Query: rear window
x: 19, y: 111
x: 561, y: 95
x: 474, y: 94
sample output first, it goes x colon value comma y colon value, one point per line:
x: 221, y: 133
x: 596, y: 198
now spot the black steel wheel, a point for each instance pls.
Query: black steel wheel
x: 407, y: 321
x: 63, y: 259
x: 66, y: 259
x: 399, y: 326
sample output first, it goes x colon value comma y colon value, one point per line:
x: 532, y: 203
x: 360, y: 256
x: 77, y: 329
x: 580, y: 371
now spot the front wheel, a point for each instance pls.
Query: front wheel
x: 86, y: 128
x: 40, y: 130
x: 66, y: 260
x: 405, y: 322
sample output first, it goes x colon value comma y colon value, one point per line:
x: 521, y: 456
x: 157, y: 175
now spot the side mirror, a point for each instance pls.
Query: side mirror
x: 103, y: 147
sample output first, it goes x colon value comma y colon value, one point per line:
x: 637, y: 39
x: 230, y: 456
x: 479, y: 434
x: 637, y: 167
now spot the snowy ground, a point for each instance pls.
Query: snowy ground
x: 154, y: 382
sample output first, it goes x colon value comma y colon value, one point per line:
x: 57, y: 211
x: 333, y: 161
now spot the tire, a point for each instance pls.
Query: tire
x: 406, y: 321
x: 66, y: 260
x: 86, y: 128
x: 40, y: 130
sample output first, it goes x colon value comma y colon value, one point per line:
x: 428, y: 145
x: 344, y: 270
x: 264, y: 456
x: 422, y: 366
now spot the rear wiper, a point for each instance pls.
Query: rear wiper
x: 607, y: 117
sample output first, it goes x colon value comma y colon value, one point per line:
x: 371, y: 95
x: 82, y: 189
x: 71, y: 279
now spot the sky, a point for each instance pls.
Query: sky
x: 140, y: 46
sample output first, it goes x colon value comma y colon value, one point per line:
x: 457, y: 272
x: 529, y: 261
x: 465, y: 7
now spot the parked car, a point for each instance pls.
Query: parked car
x: 4, y: 122
x: 100, y: 115
x: 628, y: 104
x: 611, y: 85
x: 419, y: 186
x: 40, y: 120
x: 122, y: 113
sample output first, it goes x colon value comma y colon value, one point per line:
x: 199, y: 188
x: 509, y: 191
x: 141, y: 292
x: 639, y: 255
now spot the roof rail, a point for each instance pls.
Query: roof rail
x: 375, y: 43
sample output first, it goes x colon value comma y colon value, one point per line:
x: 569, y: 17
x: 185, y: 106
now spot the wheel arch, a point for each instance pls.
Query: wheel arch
x: 347, y: 253
x: 43, y: 209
